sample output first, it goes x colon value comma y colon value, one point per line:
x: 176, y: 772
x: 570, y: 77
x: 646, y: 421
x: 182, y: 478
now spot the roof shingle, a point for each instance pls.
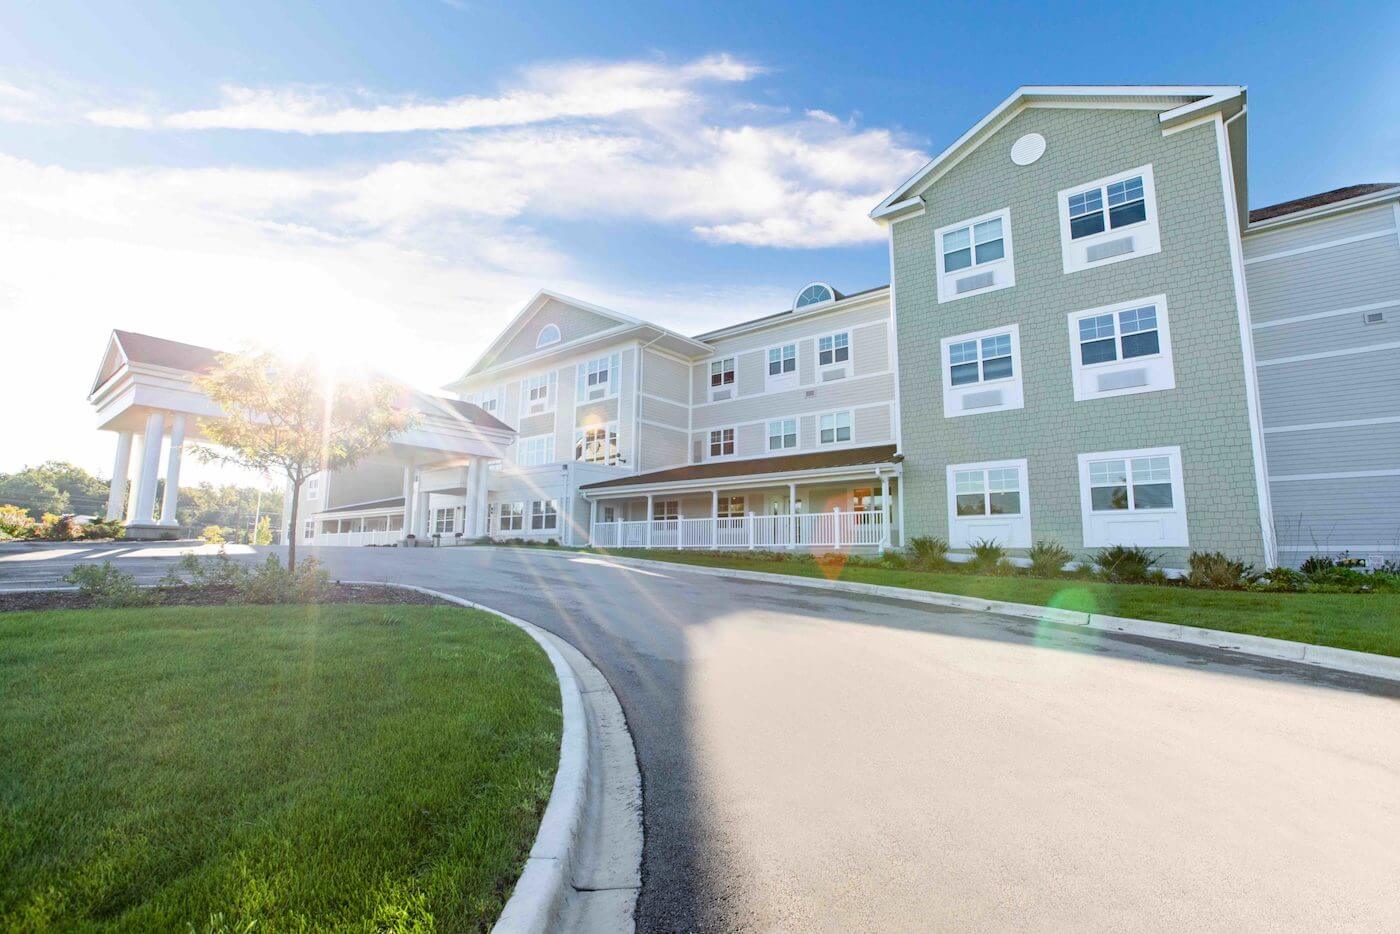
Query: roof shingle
x: 1318, y: 200
x: 791, y: 463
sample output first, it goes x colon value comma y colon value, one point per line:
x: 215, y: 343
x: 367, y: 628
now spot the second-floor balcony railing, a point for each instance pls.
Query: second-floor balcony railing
x: 836, y: 529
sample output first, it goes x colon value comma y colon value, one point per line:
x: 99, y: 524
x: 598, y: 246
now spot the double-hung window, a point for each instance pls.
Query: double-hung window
x: 539, y: 393
x: 313, y: 488
x: 730, y: 507
x: 308, y: 529
x: 975, y: 256
x: 544, y: 515
x: 1133, y: 498
x: 989, y: 501
x: 782, y: 434
x: 982, y: 372
x: 782, y: 367
x: 489, y: 400
x: 834, y: 428
x: 536, y: 451
x: 512, y: 517
x: 597, y: 445
x: 598, y: 379
x: 721, y: 378
x: 1109, y: 220
x: 833, y: 354
x: 722, y: 442
x: 666, y: 510
x: 1121, y: 349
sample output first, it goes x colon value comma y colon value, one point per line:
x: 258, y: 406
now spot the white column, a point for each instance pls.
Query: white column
x: 150, y: 469
x: 469, y: 498
x: 714, y: 519
x: 648, y: 525
x: 172, y: 470
x: 885, y: 509
x: 483, y: 498
x: 792, y: 515
x: 407, y: 502
x: 134, y: 479
x: 592, y: 519
x: 119, y: 474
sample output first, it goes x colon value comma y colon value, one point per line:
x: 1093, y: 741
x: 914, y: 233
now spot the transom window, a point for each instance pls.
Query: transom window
x: 722, y: 442
x: 1119, y: 335
x: 549, y: 334
x: 1127, y: 205
x: 991, y: 491
x: 833, y: 349
x: 512, y: 517
x: 666, y: 510
x: 544, y: 515
x: 835, y: 428
x: 1130, y: 484
x: 814, y: 294
x: 974, y: 361
x: 597, y: 445
x: 973, y: 245
x: 721, y: 372
x: 730, y: 507
x: 782, y: 434
x: 782, y: 360
x: 535, y: 451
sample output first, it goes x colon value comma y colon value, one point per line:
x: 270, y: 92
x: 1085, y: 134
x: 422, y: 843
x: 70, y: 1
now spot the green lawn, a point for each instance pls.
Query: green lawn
x: 1364, y: 622
x: 273, y: 767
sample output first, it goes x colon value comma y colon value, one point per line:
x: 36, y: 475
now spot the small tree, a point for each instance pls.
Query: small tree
x: 288, y: 417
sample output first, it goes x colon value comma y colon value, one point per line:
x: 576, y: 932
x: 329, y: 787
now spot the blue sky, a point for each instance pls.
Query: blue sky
x: 386, y: 183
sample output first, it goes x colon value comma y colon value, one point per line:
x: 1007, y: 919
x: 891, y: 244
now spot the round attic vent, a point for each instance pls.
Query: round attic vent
x: 1027, y: 149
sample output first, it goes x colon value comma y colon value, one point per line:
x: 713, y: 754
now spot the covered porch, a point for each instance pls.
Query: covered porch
x: 837, y: 501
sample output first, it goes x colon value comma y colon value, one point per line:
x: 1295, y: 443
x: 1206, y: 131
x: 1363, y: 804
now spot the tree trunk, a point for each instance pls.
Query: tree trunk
x: 292, y: 530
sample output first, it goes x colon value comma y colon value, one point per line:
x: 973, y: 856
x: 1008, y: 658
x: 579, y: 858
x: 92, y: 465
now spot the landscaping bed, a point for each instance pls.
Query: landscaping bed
x: 327, y: 765
x: 376, y: 594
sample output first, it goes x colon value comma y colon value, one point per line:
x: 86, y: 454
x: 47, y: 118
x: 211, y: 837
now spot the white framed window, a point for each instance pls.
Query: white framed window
x: 782, y: 367
x: 730, y: 507
x: 544, y: 515
x: 989, y: 501
x: 782, y: 434
x: 599, y: 378
x: 443, y: 521
x: 597, y: 444
x: 975, y: 256
x: 722, y: 442
x: 538, y: 392
x: 535, y: 451
x: 833, y: 355
x: 512, y: 517
x: 308, y: 529
x: 665, y: 510
x: 982, y: 372
x: 313, y: 487
x: 1133, y: 498
x: 395, y: 523
x: 608, y: 513
x: 489, y: 400
x: 834, y: 428
x: 1121, y: 349
x: 867, y: 499
x: 1109, y: 220
x: 549, y: 334
x: 721, y: 379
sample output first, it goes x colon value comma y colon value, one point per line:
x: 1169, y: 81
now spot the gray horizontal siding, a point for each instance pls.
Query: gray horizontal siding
x: 873, y: 426
x: 807, y: 327
x: 1330, y: 514
x: 661, y: 447
x: 1333, y: 450
x: 870, y: 348
x: 602, y: 411
x: 841, y: 394
x: 665, y: 377
x: 1324, y: 280
x: 1356, y: 386
x: 749, y: 373
x: 668, y: 413
x: 542, y: 424
x: 1293, y: 237
x: 1337, y: 332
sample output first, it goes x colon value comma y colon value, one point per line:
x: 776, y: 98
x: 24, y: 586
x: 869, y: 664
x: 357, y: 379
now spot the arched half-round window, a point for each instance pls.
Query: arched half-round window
x: 549, y: 334
x: 814, y: 294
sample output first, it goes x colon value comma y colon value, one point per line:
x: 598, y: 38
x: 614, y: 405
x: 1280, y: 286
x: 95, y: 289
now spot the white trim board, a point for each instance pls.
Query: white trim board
x: 1345, y: 423
x: 1342, y: 241
x: 1319, y: 315
x: 1324, y: 354
x: 1339, y: 475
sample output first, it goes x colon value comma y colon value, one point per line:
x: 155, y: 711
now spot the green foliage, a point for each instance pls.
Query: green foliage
x: 894, y: 560
x: 1048, y: 558
x: 268, y: 582
x: 54, y: 486
x: 107, y: 586
x: 930, y: 552
x: 1217, y: 570
x: 228, y: 506
x: 1314, y: 564
x: 1124, y: 565
x: 58, y: 528
x: 102, y: 528
x: 262, y: 533
x: 213, y: 535
x: 15, y: 522
x: 987, y: 555
x: 1282, y: 580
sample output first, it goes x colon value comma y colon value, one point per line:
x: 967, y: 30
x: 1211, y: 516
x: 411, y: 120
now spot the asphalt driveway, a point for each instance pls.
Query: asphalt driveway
x: 819, y: 761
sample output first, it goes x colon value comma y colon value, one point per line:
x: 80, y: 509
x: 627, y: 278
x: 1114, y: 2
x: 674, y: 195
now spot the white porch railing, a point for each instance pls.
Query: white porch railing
x: 836, y: 529
x: 379, y: 537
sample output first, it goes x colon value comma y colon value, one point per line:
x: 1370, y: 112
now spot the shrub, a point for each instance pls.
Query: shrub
x: 1048, y: 558
x: 102, y: 528
x: 930, y: 552
x: 16, y: 523
x: 1124, y: 565
x: 894, y: 560
x: 986, y: 555
x: 1215, y: 569
x: 1281, y: 580
x: 107, y: 586
x: 213, y: 534
x: 1317, y: 563
x: 58, y: 528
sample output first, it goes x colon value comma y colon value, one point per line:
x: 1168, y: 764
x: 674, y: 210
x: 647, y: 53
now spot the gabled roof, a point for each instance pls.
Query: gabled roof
x: 790, y: 463
x: 1323, y: 199
x: 842, y: 301
x: 131, y: 347
x: 456, y: 408
x: 1178, y: 103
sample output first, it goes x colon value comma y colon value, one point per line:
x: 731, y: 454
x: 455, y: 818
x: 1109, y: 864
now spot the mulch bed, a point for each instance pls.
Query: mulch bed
x: 217, y: 596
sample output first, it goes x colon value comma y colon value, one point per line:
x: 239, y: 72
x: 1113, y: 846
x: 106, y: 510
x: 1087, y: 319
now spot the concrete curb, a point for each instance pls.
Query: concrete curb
x: 540, y: 901
x: 1386, y: 667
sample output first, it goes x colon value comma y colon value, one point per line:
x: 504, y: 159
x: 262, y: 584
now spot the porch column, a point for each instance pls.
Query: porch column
x: 792, y: 515
x: 134, y: 479
x: 469, y: 498
x: 172, y: 470
x: 150, y: 469
x: 120, y: 469
x: 885, y: 508
x: 407, y: 502
x: 483, y: 497
x: 592, y: 519
x: 714, y: 519
x: 648, y: 518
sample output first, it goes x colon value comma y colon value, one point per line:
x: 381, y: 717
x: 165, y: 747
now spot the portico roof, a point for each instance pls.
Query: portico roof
x: 774, y: 468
